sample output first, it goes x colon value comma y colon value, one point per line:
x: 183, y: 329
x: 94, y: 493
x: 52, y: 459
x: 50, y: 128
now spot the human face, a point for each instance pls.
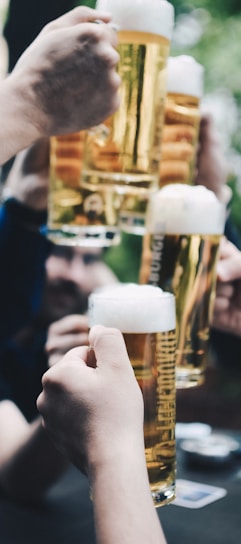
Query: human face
x: 71, y: 275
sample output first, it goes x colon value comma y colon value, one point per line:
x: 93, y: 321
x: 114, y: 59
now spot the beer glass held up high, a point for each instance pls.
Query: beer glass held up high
x: 182, y: 120
x: 146, y: 317
x: 180, y: 251
x: 77, y: 216
x: 123, y: 154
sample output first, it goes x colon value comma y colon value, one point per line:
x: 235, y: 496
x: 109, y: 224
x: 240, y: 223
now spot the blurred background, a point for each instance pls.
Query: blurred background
x: 210, y: 32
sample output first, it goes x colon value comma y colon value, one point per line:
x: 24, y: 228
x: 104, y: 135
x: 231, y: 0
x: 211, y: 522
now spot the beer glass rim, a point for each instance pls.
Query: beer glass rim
x: 185, y: 76
x: 152, y: 16
x: 171, y: 211
x: 132, y: 313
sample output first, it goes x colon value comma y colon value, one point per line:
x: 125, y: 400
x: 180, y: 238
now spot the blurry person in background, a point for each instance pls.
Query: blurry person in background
x: 42, y: 285
x: 226, y: 325
x: 212, y: 170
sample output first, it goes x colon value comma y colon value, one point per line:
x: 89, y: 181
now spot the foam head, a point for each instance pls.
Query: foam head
x: 133, y: 308
x: 185, y: 209
x: 185, y: 76
x: 154, y: 16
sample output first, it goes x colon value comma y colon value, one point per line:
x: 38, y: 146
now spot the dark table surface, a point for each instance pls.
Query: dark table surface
x: 215, y: 523
x: 65, y: 516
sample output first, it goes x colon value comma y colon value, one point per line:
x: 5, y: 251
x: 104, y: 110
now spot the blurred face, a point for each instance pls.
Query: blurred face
x: 71, y: 275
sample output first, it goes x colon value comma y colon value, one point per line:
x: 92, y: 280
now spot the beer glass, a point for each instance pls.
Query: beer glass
x: 180, y: 251
x: 123, y: 153
x: 182, y: 120
x: 146, y: 317
x: 77, y: 216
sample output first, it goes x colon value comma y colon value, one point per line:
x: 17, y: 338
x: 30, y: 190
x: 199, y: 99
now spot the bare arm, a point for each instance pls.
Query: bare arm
x: 65, y: 81
x: 93, y: 409
x: 29, y: 462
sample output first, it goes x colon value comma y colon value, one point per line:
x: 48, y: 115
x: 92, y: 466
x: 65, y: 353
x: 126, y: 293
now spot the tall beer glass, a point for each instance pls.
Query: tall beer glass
x: 124, y: 152
x: 182, y: 120
x: 77, y: 216
x: 180, y: 251
x: 146, y: 317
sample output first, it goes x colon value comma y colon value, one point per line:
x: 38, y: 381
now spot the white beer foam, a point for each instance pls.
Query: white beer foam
x: 133, y: 308
x: 185, y: 76
x: 184, y: 209
x: 154, y: 16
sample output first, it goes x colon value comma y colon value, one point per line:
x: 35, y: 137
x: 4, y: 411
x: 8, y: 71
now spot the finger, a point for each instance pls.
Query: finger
x: 109, y: 347
x: 80, y: 14
x: 221, y: 304
x: 62, y: 344
x: 229, y: 269
x: 76, y: 356
x: 70, y: 323
x: 225, y: 290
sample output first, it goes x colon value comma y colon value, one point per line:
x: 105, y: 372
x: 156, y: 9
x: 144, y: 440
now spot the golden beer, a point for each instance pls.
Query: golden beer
x: 77, y: 216
x: 146, y: 317
x: 124, y: 152
x: 181, y: 121
x: 180, y: 253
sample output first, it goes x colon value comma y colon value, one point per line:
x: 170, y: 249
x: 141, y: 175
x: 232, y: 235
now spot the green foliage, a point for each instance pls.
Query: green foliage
x: 217, y: 7
x: 90, y: 3
x: 124, y: 259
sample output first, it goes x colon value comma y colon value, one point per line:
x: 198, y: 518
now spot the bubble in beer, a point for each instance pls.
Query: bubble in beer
x: 183, y: 209
x: 132, y: 308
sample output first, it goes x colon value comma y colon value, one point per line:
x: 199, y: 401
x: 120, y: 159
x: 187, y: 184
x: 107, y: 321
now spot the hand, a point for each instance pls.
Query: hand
x: 66, y: 333
x: 68, y: 74
x: 227, y: 308
x: 212, y: 168
x: 29, y: 176
x: 91, y: 403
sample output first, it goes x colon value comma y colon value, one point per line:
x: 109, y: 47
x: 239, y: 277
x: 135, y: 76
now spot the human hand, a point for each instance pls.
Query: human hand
x: 65, y: 334
x: 68, y: 74
x: 29, y: 176
x: 227, y: 307
x: 91, y: 403
x: 211, y: 167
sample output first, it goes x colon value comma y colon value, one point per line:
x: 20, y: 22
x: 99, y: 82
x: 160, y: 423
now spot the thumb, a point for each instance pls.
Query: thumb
x: 109, y: 347
x: 229, y: 269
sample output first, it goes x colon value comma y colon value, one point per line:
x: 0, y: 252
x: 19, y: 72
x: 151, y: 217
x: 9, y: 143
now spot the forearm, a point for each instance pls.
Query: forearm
x: 16, y: 129
x: 30, y: 464
x: 123, y: 507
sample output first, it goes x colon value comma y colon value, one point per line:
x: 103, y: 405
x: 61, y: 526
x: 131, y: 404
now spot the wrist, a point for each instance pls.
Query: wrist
x: 120, y: 455
x: 18, y: 111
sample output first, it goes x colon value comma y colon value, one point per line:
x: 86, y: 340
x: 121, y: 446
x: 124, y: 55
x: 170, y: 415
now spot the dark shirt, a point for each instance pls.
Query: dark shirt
x: 25, y: 20
x: 23, y: 252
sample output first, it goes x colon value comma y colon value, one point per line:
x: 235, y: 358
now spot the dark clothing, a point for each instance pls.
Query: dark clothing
x: 21, y: 370
x: 25, y: 20
x: 22, y: 274
x: 23, y: 252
